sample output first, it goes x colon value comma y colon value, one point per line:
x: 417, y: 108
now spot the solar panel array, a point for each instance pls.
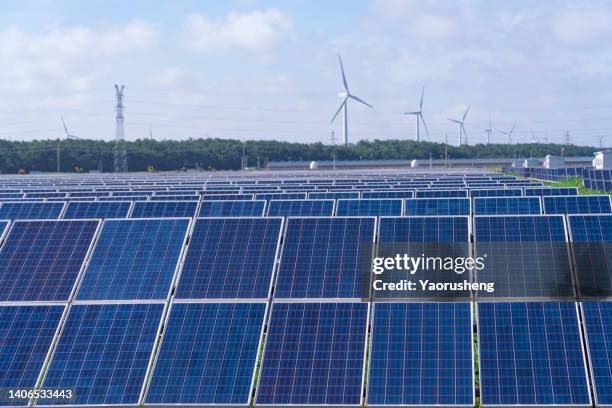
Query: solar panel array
x: 255, y: 280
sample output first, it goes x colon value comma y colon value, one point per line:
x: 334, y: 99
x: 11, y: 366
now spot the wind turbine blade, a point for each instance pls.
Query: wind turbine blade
x: 339, y: 109
x: 503, y: 132
x: 360, y: 100
x: 454, y: 120
x: 466, y: 112
x: 343, y: 76
x: 412, y: 113
x: 513, y: 126
x: 464, y: 132
x: 424, y: 125
x: 422, y: 94
x: 65, y: 128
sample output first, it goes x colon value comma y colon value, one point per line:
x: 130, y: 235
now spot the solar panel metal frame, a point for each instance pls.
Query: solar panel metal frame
x: 369, y: 359
x: 269, y: 204
x: 438, y: 215
x: 264, y: 211
x: 273, y: 274
x: 175, y: 276
x: 60, y: 324
x: 68, y: 203
x: 566, y: 241
x: 25, y: 201
x: 587, y: 351
x: 4, y: 231
x: 367, y: 341
x: 321, y: 299
x: 82, y: 268
x: 588, y: 380
x: 154, y: 349
x: 160, y: 339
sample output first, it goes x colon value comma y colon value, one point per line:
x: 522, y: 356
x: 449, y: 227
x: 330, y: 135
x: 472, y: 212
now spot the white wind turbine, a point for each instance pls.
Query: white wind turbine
x: 460, y: 122
x: 419, y: 118
x: 508, y: 134
x: 59, y: 140
x: 343, y: 106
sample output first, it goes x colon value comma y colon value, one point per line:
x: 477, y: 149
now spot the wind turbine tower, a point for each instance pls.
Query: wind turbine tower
x: 346, y: 95
x: 419, y: 118
x: 489, y: 130
x: 508, y: 134
x: 460, y: 122
x: 120, y: 159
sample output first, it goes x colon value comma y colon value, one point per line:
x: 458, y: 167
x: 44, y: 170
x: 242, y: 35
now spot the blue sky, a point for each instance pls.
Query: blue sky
x: 268, y: 70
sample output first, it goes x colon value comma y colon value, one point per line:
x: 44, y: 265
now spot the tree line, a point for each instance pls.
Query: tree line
x: 226, y: 154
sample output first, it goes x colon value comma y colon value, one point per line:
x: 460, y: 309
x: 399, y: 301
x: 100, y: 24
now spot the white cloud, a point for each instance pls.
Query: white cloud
x: 434, y: 26
x: 66, y: 57
x: 167, y: 76
x: 255, y: 31
x: 581, y: 27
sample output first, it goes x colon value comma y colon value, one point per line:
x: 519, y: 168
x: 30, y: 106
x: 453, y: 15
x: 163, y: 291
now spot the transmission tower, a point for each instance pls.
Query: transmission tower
x: 120, y: 163
x: 567, y: 138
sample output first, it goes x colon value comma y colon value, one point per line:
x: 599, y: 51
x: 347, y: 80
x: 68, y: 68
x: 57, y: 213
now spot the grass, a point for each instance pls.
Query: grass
x: 575, y: 182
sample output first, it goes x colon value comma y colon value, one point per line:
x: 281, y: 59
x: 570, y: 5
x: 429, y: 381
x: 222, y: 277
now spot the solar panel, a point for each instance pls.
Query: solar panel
x: 314, y: 354
x: 594, y: 204
x: 421, y: 354
x: 552, y: 191
x: 437, y: 206
x: 26, y: 333
x: 332, y: 195
x: 30, y: 210
x: 507, y: 205
x: 323, y: 257
x: 212, y: 196
x: 388, y: 194
x: 440, y: 193
x: 527, y: 256
x: 531, y: 354
x: 369, y: 207
x: 236, y: 208
x: 597, y: 318
x: 301, y: 208
x: 500, y: 192
x: 164, y: 209
x: 41, y: 260
x: 97, y: 209
x: 230, y: 258
x: 280, y: 196
x: 183, y: 197
x: 134, y: 259
x: 423, y: 230
x: 208, y: 354
x: 103, y: 353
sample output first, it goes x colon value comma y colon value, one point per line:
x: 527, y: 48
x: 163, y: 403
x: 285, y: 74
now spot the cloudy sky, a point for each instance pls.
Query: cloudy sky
x: 268, y: 70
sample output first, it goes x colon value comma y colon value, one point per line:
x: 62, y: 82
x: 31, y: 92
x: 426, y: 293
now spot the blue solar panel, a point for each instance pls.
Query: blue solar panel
x: 333, y: 195
x: 134, y: 259
x: 30, y: 210
x: 208, y: 354
x: 553, y: 191
x: 437, y: 206
x: 387, y: 194
x: 440, y: 193
x: 531, y: 354
x: 595, y: 204
x: 97, y: 209
x: 522, y: 228
x: 164, y: 209
x: 103, y: 353
x: 236, y: 208
x: 369, y: 208
x: 41, y: 260
x: 26, y: 333
x: 314, y: 354
x: 597, y: 317
x: 280, y: 196
x: 322, y: 257
x: 301, y: 208
x: 501, y: 192
x: 211, y: 196
x: 590, y: 228
x: 507, y: 205
x: 184, y: 197
x: 230, y: 258
x: 421, y: 354
x: 423, y: 230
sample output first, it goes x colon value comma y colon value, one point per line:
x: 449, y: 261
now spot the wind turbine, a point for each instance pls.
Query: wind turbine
x: 508, y: 134
x: 489, y: 130
x: 419, y: 118
x: 343, y: 106
x: 462, y: 132
x: 68, y: 136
